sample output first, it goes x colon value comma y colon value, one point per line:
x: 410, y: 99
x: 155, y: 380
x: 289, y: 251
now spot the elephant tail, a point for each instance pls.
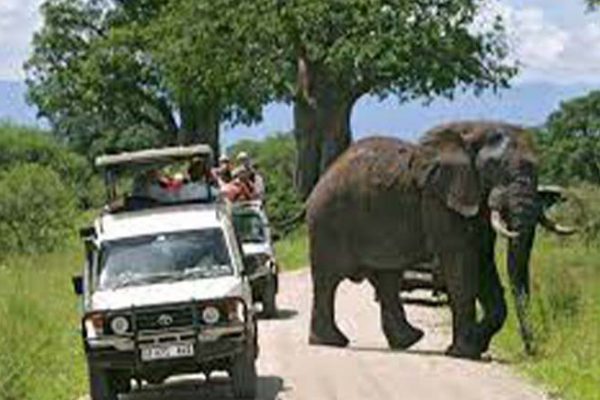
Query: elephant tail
x: 292, y: 223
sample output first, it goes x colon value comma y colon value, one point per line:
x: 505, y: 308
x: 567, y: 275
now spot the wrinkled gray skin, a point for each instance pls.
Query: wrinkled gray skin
x: 386, y: 204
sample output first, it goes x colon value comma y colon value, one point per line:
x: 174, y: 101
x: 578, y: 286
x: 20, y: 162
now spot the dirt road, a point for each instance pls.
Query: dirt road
x: 367, y: 370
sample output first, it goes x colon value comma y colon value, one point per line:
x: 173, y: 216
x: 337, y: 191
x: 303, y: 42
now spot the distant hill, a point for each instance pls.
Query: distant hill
x: 527, y: 104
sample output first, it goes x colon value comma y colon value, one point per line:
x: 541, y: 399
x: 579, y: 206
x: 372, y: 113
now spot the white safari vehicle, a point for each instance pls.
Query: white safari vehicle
x: 164, y: 289
x: 254, y: 232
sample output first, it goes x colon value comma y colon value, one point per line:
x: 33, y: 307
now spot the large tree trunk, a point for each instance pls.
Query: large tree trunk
x: 200, y: 125
x: 321, y: 125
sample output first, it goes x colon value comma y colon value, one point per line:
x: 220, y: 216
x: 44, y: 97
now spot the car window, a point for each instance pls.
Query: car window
x: 250, y: 227
x: 163, y: 257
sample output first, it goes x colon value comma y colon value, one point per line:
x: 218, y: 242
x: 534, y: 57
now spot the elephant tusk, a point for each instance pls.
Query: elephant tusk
x: 552, y: 226
x: 500, y: 226
x: 551, y: 189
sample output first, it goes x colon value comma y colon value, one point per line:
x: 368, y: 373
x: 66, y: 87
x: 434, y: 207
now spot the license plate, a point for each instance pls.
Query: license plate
x: 167, y: 351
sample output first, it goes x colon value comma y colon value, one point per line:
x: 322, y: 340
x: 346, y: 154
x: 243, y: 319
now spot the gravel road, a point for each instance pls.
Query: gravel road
x: 289, y: 369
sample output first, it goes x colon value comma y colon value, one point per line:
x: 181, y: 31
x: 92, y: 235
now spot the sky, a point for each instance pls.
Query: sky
x: 557, y: 44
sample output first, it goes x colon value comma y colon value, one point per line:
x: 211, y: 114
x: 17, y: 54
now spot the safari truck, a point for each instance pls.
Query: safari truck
x: 254, y: 232
x: 164, y: 289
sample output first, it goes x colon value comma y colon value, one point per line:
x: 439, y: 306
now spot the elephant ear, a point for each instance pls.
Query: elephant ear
x: 448, y: 172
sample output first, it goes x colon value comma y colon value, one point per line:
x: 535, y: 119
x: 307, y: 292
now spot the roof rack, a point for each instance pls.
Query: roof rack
x: 154, y: 155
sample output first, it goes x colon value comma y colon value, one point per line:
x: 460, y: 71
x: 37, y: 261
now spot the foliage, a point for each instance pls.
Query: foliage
x: 275, y: 157
x: 101, y: 73
x: 41, y: 355
x: 292, y: 251
x: 19, y: 144
x: 570, y: 142
x: 37, y: 211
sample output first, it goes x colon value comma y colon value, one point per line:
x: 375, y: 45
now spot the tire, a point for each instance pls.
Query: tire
x: 243, y: 374
x: 102, y: 385
x: 269, y: 295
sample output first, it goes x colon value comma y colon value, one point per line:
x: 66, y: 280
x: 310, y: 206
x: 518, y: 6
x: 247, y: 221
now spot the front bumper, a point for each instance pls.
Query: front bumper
x: 212, y: 344
x: 125, y: 355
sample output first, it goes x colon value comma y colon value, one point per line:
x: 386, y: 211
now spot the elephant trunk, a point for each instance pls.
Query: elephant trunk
x: 516, y: 210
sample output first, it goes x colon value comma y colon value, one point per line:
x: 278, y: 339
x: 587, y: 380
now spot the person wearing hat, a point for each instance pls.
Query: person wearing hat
x: 248, y: 170
x: 223, y: 173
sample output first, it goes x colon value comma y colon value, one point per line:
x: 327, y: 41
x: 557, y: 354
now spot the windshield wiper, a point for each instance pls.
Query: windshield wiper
x: 134, y: 280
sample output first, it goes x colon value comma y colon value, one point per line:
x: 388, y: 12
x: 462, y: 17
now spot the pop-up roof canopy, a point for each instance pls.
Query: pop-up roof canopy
x: 153, y: 156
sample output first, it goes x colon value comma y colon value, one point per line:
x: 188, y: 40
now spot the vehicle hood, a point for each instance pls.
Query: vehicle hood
x: 166, y: 293
x: 257, y: 248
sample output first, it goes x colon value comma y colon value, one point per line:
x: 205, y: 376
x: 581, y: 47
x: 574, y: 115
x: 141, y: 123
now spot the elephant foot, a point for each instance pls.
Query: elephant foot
x: 404, y: 339
x: 331, y: 338
x: 470, y: 352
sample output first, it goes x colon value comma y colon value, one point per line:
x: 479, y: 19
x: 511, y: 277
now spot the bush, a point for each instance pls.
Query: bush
x: 19, y: 145
x: 37, y: 211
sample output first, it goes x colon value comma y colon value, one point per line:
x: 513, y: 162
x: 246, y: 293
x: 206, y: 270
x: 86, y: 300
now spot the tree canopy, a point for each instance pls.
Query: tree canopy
x: 570, y: 141
x: 112, y: 75
x: 330, y: 53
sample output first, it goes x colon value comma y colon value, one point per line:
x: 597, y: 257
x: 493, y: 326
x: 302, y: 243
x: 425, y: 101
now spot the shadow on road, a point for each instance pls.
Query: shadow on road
x: 282, y: 314
x: 195, y: 389
x: 486, y: 358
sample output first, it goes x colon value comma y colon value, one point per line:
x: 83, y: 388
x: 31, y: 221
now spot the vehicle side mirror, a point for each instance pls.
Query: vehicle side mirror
x: 276, y: 236
x: 77, y: 282
x: 87, y: 232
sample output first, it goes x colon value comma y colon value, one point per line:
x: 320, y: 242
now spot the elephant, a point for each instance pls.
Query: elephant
x: 386, y: 204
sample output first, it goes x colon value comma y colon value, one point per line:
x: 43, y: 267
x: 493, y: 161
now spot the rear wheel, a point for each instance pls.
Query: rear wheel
x: 243, y: 374
x: 102, y: 385
x: 269, y: 297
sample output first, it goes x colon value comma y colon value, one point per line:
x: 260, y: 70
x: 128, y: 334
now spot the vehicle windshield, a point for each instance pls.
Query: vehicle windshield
x: 249, y: 227
x: 164, y: 257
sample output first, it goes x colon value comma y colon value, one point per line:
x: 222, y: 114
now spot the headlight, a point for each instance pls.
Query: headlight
x: 94, y: 325
x: 211, y: 315
x: 119, y: 325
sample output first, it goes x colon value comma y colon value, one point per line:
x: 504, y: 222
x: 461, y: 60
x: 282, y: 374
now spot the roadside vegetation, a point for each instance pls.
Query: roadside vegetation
x: 565, y: 307
x: 40, y: 346
x: 44, y: 189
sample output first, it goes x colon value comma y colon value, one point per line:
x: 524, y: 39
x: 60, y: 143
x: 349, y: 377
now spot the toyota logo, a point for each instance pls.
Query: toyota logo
x: 165, y: 320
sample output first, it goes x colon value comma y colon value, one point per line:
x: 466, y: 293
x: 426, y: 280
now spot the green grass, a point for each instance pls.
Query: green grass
x: 292, y: 250
x: 565, y: 312
x: 40, y: 347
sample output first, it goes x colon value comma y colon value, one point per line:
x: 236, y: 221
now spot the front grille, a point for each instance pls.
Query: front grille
x: 165, y: 318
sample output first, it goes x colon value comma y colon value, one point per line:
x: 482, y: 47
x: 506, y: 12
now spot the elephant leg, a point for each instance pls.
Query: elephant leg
x: 323, y: 329
x: 490, y: 293
x: 461, y: 273
x: 399, y: 333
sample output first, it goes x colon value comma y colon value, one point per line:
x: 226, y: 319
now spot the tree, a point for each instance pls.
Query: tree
x: 570, y: 141
x: 333, y: 52
x: 116, y: 74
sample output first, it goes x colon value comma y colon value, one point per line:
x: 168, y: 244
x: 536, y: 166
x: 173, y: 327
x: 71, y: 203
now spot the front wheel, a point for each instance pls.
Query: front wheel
x: 102, y: 385
x: 243, y: 374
